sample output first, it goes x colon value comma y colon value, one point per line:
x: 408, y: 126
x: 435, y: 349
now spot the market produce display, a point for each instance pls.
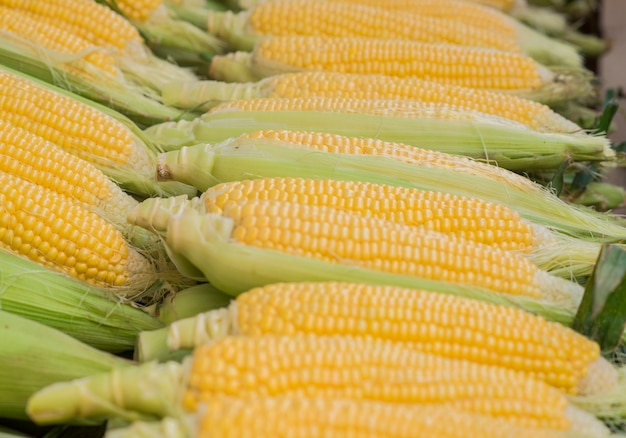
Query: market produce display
x: 311, y: 218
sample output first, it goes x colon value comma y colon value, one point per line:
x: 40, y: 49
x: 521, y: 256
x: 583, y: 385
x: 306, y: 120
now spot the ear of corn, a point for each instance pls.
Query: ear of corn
x: 467, y: 218
x: 322, y: 155
x: 366, y: 369
x: 113, y: 144
x: 339, y: 19
x: 50, y: 229
x: 440, y: 324
x: 207, y: 94
x: 445, y: 63
x: 439, y: 127
x: 308, y: 253
x: 59, y: 358
x: 69, y: 305
x: 243, y: 30
x: 269, y: 417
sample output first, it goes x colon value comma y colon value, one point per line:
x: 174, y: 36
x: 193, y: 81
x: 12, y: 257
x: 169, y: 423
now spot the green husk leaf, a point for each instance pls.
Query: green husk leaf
x: 602, y: 312
x: 76, y: 308
x: 141, y: 393
x: 189, y: 302
x: 510, y: 145
x: 33, y: 356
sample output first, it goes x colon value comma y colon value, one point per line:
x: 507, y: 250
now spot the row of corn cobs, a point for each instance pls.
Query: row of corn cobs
x: 301, y: 218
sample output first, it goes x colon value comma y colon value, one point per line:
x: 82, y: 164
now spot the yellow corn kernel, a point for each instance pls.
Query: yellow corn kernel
x: 502, y: 5
x: 358, y: 368
x: 447, y: 325
x: 54, y: 231
x: 336, y: 19
x: 41, y: 32
x: 35, y: 159
x: 468, y: 218
x: 271, y: 417
x: 91, y: 21
x: 446, y: 63
x: 334, y: 236
x: 372, y: 87
x: 138, y: 10
x: 76, y: 127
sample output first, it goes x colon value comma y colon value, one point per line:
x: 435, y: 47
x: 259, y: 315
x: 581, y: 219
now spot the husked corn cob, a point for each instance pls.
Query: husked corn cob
x: 206, y: 94
x: 308, y: 154
x: 85, y: 18
x: 80, y: 129
x: 40, y: 32
x: 472, y: 67
x: 307, y: 417
x: 468, y: 218
x: 243, y: 30
x: 435, y: 323
x: 306, y: 234
x: 39, y: 161
x: 49, y: 228
x: 138, y: 9
x: 333, y: 367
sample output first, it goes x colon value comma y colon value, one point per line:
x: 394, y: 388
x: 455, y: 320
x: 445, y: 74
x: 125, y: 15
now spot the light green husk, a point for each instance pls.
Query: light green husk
x: 236, y: 159
x: 510, y: 145
x: 143, y: 393
x: 33, y: 356
x: 189, y: 302
x: 166, y: 428
x: 76, y: 308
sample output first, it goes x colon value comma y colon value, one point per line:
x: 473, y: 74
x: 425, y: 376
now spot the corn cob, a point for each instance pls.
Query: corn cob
x: 85, y: 18
x: 270, y: 417
x: 55, y: 38
x: 322, y: 155
x: 446, y: 325
x: 332, y: 367
x: 245, y: 29
x: 339, y: 241
x: 42, y: 162
x: 433, y: 126
x: 445, y: 63
x: 82, y: 130
x: 46, y: 227
x: 206, y: 94
x: 464, y: 217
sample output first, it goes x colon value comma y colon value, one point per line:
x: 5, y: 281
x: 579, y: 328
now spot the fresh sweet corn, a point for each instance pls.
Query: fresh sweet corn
x: 435, y: 323
x: 85, y: 18
x: 207, y: 94
x: 309, y: 154
x: 51, y: 229
x: 41, y: 32
x: 310, y: 417
x: 84, y: 130
x: 342, y: 244
x: 42, y: 162
x: 464, y: 217
x: 243, y: 30
x: 436, y: 126
x: 472, y: 67
x: 332, y: 367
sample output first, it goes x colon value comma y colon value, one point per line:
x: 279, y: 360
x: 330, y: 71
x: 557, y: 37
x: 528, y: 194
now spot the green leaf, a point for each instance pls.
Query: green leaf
x: 602, y: 312
x: 557, y: 182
